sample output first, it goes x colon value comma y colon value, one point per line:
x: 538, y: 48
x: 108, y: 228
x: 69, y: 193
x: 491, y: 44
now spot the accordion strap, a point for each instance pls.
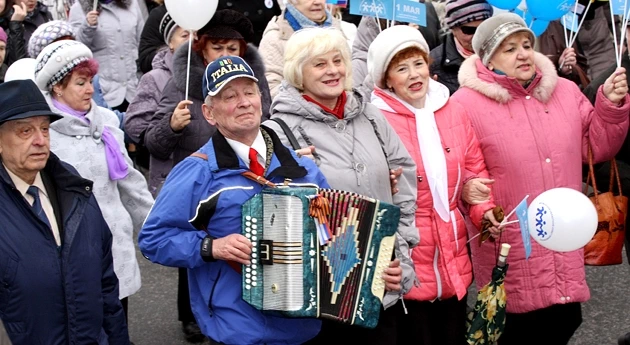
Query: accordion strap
x: 259, y: 179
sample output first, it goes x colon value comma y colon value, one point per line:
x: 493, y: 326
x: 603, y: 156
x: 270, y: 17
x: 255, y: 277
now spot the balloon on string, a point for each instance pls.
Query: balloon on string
x: 562, y: 219
x: 549, y: 9
x: 191, y: 14
x: 504, y: 4
x: 538, y: 26
x: 22, y: 69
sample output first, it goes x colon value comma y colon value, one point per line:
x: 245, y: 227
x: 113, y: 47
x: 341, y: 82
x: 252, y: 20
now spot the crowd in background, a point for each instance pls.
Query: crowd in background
x: 363, y: 97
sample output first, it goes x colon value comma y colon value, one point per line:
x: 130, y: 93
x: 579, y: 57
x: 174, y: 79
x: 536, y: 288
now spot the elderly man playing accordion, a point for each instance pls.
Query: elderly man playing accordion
x: 231, y: 168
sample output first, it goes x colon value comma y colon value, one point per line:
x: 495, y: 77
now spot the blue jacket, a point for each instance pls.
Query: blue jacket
x: 53, y: 295
x: 169, y: 239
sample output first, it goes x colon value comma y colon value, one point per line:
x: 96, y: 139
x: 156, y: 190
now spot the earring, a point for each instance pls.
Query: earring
x: 59, y: 94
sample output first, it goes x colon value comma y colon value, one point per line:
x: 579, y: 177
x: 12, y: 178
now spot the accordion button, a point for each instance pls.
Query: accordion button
x: 254, y: 278
x: 254, y: 273
x: 275, y: 288
x: 248, y: 217
x: 254, y: 255
x: 248, y: 287
x: 254, y: 249
x: 248, y: 224
x: 254, y: 226
x: 254, y: 220
x: 248, y: 281
x: 370, y: 263
x: 254, y: 232
x: 254, y: 283
x: 248, y: 275
x: 254, y: 265
x: 248, y: 235
x: 254, y: 238
x: 247, y: 269
x: 254, y: 261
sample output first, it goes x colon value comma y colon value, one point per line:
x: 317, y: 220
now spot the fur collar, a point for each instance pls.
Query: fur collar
x: 198, y: 68
x: 474, y: 75
x: 87, y: 5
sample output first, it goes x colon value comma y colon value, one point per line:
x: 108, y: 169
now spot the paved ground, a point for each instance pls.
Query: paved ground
x: 153, y: 312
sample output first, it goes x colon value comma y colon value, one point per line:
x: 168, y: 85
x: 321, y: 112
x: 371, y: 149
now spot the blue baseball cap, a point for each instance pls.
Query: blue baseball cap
x: 223, y: 70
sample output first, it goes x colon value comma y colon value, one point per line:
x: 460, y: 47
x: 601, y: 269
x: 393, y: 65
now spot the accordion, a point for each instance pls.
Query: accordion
x: 318, y: 253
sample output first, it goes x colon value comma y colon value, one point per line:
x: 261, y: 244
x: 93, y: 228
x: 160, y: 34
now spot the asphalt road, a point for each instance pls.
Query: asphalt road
x: 153, y: 311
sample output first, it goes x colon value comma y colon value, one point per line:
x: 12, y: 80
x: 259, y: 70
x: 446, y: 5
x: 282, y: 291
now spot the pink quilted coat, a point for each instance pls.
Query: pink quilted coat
x: 533, y: 140
x: 441, y: 258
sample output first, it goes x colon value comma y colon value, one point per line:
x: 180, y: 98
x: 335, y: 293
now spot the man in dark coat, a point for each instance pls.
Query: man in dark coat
x: 462, y: 18
x: 57, y: 282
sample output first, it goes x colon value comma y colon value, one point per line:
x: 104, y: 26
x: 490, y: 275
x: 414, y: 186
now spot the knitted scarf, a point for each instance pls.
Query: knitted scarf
x: 299, y: 21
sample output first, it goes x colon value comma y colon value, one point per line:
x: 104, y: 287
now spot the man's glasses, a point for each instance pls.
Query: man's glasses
x: 468, y: 30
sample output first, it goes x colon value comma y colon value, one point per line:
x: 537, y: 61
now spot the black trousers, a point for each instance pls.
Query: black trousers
x: 426, y: 323
x: 553, y: 325
x: 184, y: 310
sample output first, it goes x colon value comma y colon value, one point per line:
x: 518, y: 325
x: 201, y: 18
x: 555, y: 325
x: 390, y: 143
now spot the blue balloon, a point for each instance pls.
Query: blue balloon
x: 538, y: 26
x: 549, y: 9
x: 504, y: 4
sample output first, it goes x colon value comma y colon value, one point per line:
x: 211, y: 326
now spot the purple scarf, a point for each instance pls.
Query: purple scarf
x: 116, y: 165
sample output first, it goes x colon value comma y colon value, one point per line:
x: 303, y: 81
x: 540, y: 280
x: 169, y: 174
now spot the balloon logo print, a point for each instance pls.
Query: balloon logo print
x: 543, y: 233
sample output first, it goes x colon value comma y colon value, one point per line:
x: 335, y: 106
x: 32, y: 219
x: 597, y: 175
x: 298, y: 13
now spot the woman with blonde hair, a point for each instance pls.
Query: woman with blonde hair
x: 297, y: 15
x: 354, y: 147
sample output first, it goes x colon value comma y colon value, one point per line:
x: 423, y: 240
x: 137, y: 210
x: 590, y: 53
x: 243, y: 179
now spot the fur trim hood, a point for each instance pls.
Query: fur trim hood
x: 87, y: 5
x: 197, y: 69
x: 475, y: 76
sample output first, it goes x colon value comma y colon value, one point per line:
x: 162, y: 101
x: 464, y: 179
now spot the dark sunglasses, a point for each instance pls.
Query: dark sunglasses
x: 468, y: 30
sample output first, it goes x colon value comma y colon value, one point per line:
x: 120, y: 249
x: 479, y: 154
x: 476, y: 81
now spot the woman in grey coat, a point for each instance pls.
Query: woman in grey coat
x: 112, y: 32
x: 355, y: 148
x: 89, y: 139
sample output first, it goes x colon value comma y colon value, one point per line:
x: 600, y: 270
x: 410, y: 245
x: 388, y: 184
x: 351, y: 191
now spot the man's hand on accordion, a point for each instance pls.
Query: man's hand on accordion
x: 393, y: 276
x: 234, y: 247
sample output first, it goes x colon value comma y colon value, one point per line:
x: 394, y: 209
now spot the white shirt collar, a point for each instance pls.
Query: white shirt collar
x: 242, y: 150
x: 22, y: 186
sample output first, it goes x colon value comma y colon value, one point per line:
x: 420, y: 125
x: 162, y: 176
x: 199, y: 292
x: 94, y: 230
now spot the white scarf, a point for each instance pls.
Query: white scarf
x: 431, y: 149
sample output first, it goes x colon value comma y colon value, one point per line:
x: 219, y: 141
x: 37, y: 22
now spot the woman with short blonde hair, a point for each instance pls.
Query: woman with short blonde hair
x: 355, y: 149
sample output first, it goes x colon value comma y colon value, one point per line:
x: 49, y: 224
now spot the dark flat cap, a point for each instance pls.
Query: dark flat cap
x: 20, y: 99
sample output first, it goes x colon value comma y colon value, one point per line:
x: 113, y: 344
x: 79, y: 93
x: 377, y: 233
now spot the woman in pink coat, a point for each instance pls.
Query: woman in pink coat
x: 534, y: 130
x: 440, y: 139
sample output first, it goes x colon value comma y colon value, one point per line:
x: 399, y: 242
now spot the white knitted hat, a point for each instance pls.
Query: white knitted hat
x: 387, y: 44
x: 57, y: 60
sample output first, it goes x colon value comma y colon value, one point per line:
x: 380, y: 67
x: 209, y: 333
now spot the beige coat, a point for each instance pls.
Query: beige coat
x: 272, y: 46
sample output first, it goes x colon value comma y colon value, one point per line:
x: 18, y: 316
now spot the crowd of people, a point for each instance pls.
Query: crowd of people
x: 103, y: 138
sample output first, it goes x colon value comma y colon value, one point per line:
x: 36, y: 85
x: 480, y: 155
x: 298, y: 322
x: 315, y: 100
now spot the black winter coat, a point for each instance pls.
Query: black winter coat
x: 446, y: 63
x: 19, y: 33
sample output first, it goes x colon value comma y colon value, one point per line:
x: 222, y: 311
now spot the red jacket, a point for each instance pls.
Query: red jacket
x: 441, y: 258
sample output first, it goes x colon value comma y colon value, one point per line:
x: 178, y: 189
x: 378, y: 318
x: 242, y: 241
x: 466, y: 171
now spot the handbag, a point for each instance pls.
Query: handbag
x: 606, y: 245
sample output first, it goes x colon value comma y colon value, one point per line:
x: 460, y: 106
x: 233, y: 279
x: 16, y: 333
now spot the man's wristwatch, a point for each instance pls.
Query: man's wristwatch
x: 206, y: 249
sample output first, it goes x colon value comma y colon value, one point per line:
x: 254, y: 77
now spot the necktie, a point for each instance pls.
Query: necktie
x: 37, y: 204
x: 254, y: 166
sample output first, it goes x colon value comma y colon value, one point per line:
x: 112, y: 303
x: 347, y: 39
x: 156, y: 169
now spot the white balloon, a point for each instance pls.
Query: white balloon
x: 22, y: 69
x: 562, y: 219
x: 191, y: 14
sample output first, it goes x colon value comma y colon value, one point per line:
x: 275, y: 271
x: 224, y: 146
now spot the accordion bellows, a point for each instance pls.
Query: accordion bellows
x: 292, y: 275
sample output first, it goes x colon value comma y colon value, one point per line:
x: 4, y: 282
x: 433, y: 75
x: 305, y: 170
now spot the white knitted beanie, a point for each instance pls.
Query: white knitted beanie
x: 387, y: 44
x: 57, y: 60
